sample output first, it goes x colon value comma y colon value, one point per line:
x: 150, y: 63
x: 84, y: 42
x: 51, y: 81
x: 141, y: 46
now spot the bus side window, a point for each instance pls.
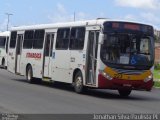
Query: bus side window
x: 28, y: 39
x: 63, y: 39
x: 38, y: 39
x: 77, y: 38
x: 13, y: 39
x: 2, y: 42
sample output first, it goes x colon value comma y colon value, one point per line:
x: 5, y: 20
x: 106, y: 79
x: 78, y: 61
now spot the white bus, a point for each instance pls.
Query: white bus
x: 4, y: 37
x: 103, y: 54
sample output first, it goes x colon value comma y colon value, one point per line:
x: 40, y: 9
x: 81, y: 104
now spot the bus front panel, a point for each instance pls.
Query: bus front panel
x: 127, y: 53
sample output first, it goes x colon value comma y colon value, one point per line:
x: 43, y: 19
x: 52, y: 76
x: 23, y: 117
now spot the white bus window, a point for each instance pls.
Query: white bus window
x: 28, y: 39
x: 13, y: 39
x: 63, y: 39
x: 77, y: 38
x: 38, y: 39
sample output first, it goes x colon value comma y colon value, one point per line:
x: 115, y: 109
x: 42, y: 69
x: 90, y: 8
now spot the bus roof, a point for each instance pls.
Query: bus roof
x: 6, y: 33
x: 98, y: 21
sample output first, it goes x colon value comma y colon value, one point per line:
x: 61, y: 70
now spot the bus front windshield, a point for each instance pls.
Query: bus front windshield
x: 2, y: 42
x: 127, y: 49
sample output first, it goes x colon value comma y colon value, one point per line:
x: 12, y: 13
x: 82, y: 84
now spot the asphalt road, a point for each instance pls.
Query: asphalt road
x: 18, y: 96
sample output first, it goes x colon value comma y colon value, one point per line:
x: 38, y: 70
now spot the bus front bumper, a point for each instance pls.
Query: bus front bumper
x: 104, y: 83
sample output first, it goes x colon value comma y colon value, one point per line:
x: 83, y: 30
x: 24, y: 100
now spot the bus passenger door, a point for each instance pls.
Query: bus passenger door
x: 92, y: 57
x: 18, y: 53
x: 49, y: 40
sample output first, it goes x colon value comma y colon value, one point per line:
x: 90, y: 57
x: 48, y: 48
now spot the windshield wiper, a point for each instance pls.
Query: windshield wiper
x: 145, y: 53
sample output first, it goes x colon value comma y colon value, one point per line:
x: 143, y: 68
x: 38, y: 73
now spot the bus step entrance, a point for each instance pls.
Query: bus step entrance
x: 47, y: 79
x: 91, y: 79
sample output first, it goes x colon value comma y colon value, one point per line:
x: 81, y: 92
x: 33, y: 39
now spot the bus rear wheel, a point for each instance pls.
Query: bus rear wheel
x: 124, y: 92
x: 78, y: 83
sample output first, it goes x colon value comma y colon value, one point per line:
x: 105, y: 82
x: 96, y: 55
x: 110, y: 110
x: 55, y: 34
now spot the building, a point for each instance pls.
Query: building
x: 157, y: 47
x: 157, y: 34
x: 157, y: 52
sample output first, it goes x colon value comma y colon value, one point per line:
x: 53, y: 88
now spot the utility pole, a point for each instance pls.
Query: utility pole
x: 8, y: 19
x: 74, y: 16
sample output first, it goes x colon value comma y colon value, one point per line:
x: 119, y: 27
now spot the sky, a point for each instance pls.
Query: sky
x: 29, y: 12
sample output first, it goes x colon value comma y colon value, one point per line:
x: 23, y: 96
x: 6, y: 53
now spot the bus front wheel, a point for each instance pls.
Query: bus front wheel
x: 3, y: 63
x: 29, y: 74
x: 78, y: 83
x: 124, y: 92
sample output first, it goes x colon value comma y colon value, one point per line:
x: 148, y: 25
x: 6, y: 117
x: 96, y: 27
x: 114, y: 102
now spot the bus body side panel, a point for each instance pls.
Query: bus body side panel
x: 22, y: 63
x: 11, y: 59
x: 32, y: 57
x: 61, y: 66
x: 78, y: 59
x: 2, y: 55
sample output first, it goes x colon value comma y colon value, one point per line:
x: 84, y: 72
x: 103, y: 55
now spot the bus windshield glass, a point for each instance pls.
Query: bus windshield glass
x: 128, y: 48
x: 2, y: 42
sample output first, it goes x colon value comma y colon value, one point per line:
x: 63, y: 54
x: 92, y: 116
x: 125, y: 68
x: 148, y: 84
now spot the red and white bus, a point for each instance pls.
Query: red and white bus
x: 4, y: 37
x: 102, y: 53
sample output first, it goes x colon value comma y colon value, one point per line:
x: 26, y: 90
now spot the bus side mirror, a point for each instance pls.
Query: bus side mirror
x: 101, y: 37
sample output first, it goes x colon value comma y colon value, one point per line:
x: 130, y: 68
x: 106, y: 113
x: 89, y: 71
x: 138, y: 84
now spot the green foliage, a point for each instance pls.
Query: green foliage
x: 157, y: 39
x: 157, y: 84
x: 156, y: 74
x: 157, y: 66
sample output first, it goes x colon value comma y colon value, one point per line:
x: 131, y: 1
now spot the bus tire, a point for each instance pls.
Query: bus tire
x: 29, y: 74
x: 3, y: 63
x: 124, y: 92
x: 78, y: 83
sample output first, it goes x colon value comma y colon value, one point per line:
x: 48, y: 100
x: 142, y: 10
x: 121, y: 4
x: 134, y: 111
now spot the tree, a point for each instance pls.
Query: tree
x: 157, y: 39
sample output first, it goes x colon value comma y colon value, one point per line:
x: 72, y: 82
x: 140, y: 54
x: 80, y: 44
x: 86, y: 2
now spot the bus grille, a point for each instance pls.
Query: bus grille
x: 129, y: 72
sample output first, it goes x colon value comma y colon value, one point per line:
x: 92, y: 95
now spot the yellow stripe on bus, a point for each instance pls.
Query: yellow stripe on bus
x: 115, y: 74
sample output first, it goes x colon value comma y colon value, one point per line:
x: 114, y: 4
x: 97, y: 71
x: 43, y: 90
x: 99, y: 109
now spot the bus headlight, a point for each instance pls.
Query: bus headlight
x: 150, y: 77
x: 106, y: 75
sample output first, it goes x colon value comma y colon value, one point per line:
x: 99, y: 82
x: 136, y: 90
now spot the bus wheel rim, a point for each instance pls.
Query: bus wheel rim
x: 79, y: 83
x: 29, y: 75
